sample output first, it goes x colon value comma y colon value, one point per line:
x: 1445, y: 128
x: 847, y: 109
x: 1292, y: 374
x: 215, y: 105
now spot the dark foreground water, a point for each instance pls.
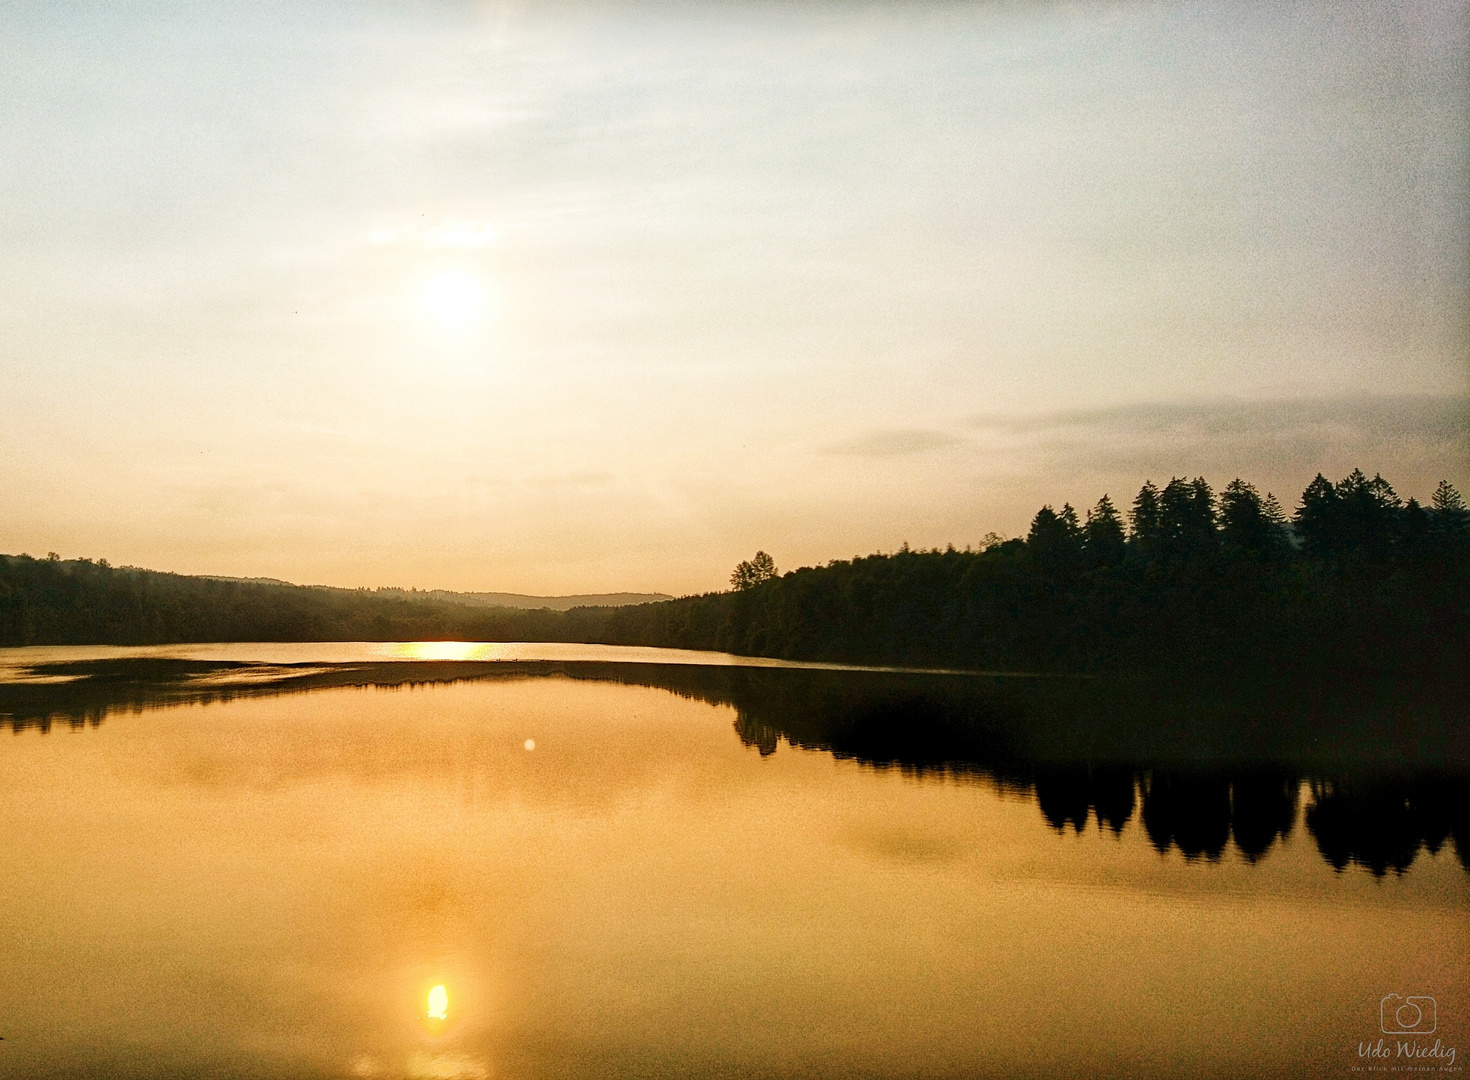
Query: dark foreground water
x: 668, y: 870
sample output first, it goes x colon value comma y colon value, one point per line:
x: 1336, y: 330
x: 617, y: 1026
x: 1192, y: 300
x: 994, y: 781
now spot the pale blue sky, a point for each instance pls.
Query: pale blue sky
x: 582, y: 297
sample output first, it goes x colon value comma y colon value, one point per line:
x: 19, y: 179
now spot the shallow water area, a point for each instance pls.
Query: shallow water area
x: 671, y: 871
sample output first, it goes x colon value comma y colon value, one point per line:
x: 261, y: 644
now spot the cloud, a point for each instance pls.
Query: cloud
x: 1413, y: 439
x: 887, y: 444
x: 1436, y: 418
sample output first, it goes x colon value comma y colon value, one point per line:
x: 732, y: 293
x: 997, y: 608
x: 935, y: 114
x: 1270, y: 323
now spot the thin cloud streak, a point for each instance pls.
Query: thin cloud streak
x: 1436, y: 418
x: 890, y: 444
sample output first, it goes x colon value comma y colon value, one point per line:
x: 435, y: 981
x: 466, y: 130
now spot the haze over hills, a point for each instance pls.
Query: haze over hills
x: 479, y: 599
x: 519, y: 600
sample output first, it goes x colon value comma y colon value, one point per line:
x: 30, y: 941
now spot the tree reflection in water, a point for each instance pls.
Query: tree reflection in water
x: 1382, y: 825
x: 1363, y: 812
x: 1190, y: 812
x: 1067, y: 795
x: 1202, y: 766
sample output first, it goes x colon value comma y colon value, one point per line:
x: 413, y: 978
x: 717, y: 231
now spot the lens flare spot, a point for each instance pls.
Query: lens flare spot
x: 438, y: 1003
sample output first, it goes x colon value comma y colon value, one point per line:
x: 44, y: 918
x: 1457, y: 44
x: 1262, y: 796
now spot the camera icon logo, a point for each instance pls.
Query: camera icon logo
x: 1408, y: 1015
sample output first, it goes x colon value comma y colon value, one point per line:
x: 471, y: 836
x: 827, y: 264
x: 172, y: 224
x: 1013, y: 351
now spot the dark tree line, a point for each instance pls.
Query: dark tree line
x: 78, y: 602
x: 1356, y: 575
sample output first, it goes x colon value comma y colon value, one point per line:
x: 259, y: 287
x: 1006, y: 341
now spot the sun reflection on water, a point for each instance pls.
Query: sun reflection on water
x: 445, y: 650
x: 422, y: 1066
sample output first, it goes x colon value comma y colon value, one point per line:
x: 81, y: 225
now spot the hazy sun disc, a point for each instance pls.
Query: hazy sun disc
x: 438, y: 1003
x: 454, y: 299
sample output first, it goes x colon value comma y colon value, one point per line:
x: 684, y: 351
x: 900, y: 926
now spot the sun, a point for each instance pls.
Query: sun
x: 454, y: 299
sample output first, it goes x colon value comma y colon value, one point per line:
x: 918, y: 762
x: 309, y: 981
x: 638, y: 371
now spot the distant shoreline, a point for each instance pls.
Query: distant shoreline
x: 523, y: 601
x: 1357, y: 579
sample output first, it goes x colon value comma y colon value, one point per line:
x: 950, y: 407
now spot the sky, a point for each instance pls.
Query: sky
x: 591, y: 296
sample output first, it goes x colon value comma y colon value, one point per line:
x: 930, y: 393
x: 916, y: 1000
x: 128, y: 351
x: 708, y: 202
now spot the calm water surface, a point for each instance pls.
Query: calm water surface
x: 614, y: 880
x: 15, y: 661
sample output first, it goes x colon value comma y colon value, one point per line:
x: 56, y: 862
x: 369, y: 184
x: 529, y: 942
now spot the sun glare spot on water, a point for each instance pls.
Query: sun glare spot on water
x: 444, y: 650
x: 438, y: 1003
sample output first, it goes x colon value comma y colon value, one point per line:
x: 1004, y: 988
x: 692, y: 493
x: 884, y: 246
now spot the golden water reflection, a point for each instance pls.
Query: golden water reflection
x: 280, y: 886
x: 447, y: 650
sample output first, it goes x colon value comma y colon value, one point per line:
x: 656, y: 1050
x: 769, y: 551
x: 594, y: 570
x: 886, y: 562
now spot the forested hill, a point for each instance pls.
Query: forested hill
x: 75, y: 602
x: 1355, y: 575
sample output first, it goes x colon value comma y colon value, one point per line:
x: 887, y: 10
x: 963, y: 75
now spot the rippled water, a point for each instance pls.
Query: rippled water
x: 630, y: 870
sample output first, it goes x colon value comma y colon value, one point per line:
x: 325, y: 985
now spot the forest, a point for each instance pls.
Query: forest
x: 1355, y: 575
x: 52, y: 601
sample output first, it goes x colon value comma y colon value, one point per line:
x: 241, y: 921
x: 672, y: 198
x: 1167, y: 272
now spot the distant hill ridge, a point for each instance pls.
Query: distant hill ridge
x: 520, y: 600
x: 523, y: 601
x: 52, y: 601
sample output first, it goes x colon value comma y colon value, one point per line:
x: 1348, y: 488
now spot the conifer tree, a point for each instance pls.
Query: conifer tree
x: 1368, y: 511
x: 1278, y: 529
x: 1415, y: 523
x: 1103, y: 533
x: 1317, y: 516
x: 1202, y: 519
x: 1449, y: 510
x: 1145, y: 524
x: 1187, y: 518
x: 1055, y: 539
x: 1242, y: 516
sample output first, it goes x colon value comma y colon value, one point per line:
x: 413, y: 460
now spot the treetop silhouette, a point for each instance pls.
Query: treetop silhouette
x: 752, y: 572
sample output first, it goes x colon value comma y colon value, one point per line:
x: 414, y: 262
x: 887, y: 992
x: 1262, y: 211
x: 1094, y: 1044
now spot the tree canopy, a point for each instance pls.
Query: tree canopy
x: 752, y: 572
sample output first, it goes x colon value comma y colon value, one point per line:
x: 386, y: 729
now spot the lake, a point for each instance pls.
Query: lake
x: 281, y: 860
